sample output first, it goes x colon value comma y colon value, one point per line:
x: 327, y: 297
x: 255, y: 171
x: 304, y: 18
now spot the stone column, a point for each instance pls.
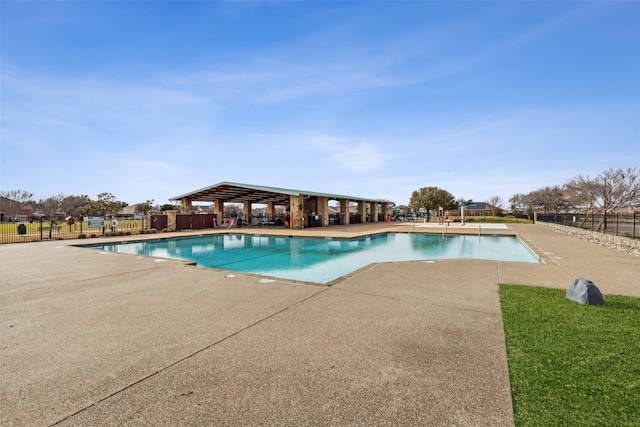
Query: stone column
x: 362, y: 210
x: 271, y: 211
x: 187, y: 207
x: 375, y: 211
x: 247, y: 211
x: 218, y: 209
x: 344, y: 211
x: 385, y: 210
x: 171, y: 220
x: 323, y: 211
x: 296, y: 204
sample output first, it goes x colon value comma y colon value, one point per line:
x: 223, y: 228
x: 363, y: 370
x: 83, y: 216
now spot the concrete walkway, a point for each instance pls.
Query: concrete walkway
x: 92, y: 338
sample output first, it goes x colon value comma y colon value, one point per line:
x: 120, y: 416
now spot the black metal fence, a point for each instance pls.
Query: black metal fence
x: 625, y: 225
x: 43, y: 229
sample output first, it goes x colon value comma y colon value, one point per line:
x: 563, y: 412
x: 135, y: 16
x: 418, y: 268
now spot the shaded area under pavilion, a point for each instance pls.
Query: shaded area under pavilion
x: 300, y: 205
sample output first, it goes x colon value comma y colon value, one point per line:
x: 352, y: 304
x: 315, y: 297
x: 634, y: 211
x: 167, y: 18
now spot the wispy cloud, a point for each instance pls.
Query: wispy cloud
x: 87, y: 111
x: 361, y: 157
x: 333, y: 154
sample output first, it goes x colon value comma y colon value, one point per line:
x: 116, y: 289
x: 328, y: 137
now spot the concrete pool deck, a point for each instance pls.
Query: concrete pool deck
x: 93, y: 338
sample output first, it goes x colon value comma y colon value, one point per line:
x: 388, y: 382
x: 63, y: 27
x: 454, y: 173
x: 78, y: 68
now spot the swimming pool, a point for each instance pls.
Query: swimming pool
x: 322, y: 260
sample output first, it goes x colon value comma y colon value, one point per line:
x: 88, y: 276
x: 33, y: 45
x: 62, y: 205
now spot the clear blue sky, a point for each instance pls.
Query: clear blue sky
x: 373, y: 99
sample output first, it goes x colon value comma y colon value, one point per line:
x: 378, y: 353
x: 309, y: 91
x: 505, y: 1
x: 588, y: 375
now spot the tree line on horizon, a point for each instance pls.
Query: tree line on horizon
x: 606, y: 193
x: 60, y: 205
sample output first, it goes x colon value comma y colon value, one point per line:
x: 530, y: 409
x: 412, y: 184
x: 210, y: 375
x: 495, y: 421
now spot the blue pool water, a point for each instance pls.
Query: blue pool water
x: 322, y: 260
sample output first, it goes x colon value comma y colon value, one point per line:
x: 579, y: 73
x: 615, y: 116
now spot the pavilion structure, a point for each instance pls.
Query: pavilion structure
x: 301, y: 206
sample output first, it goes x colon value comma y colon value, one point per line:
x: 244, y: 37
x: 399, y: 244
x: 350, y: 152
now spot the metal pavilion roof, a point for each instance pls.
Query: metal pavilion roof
x: 234, y: 192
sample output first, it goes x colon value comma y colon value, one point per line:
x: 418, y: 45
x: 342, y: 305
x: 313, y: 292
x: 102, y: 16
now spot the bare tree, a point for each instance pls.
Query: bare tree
x: 548, y: 199
x: 233, y: 209
x: 496, y: 202
x: 71, y: 205
x: 522, y: 204
x: 51, y: 207
x: 607, y: 192
x: 13, y: 200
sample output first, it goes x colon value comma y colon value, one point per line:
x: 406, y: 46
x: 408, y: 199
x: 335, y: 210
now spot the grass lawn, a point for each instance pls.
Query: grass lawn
x: 572, y: 364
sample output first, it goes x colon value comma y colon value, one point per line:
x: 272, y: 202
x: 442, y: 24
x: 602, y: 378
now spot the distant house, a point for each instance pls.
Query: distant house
x: 480, y: 209
x: 10, y: 211
x: 128, y: 211
x: 403, y: 209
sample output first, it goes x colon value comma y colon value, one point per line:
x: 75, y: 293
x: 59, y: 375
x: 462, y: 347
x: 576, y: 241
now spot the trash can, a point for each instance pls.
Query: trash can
x: 239, y: 222
x: 22, y: 229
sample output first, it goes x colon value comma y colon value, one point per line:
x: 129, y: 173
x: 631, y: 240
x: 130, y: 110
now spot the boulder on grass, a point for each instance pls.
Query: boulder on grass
x: 583, y: 291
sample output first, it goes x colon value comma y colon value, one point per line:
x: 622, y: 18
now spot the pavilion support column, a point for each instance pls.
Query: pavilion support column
x: 247, y: 212
x: 375, y: 211
x: 344, y: 211
x: 296, y: 204
x: 362, y: 210
x: 218, y: 210
x: 271, y: 212
x: 385, y: 210
x: 186, y: 205
x: 323, y: 211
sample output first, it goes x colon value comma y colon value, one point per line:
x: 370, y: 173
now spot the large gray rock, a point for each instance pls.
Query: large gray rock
x: 584, y: 291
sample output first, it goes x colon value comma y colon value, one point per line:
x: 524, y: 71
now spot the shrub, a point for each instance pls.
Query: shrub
x: 82, y: 236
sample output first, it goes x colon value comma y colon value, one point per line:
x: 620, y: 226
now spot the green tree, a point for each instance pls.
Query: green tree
x: 144, y: 208
x: 170, y: 207
x: 430, y: 199
x: 105, y: 205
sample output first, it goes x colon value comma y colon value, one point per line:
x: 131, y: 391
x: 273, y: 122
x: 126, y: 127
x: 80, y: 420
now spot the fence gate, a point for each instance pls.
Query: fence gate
x: 194, y: 221
x: 159, y: 222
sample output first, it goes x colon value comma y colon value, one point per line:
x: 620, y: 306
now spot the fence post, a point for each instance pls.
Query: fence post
x: 617, y: 223
x: 633, y: 233
x: 41, y: 229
